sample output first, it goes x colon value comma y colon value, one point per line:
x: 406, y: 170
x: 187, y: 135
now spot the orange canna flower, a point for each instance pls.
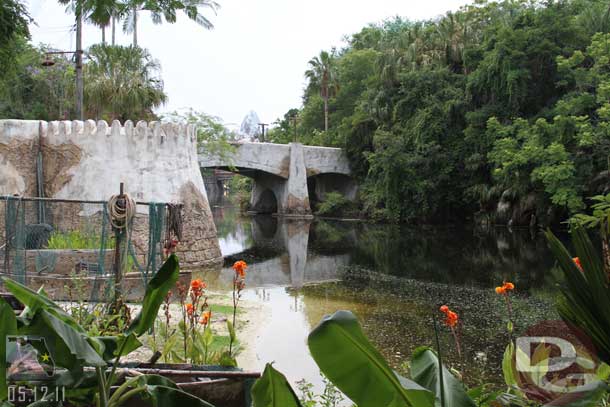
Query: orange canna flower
x: 240, y: 268
x: 505, y: 288
x: 451, y: 318
x: 205, y: 318
x: 189, y: 309
x: 197, y: 286
x: 576, y: 261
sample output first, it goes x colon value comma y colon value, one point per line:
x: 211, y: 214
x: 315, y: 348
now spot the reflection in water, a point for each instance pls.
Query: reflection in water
x: 296, y: 252
x: 414, y: 270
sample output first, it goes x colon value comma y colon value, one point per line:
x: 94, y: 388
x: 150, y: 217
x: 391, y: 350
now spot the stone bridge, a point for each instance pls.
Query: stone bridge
x: 287, y: 177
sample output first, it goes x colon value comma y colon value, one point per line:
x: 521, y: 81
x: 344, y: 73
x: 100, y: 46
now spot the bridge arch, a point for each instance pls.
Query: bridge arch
x: 319, y: 185
x: 283, y: 170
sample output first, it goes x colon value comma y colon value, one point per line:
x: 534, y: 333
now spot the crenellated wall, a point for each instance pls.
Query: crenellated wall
x: 157, y: 162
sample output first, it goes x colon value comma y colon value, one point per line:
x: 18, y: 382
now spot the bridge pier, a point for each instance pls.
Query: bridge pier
x: 280, y: 173
x: 291, y: 195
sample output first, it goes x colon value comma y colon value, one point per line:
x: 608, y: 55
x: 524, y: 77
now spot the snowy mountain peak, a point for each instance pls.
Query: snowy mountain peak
x: 249, y: 126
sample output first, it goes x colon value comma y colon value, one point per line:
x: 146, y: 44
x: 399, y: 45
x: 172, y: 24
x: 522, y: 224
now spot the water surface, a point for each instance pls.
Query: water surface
x: 392, y: 277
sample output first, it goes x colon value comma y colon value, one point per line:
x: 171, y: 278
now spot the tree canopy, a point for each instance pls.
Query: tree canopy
x: 499, y: 104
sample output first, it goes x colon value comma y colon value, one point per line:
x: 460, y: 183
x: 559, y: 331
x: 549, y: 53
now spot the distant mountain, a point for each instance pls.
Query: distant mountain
x: 249, y: 128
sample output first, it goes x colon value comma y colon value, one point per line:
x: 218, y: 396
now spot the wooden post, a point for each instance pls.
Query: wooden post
x: 118, y: 258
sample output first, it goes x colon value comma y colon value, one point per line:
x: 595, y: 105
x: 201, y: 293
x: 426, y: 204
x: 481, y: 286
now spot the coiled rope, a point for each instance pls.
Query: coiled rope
x: 121, y: 215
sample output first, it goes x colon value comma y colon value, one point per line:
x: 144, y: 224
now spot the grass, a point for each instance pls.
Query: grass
x: 77, y: 240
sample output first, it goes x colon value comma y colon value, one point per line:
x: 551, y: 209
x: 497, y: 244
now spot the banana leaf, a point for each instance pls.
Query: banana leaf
x: 8, y: 326
x: 351, y: 362
x: 273, y: 390
x: 425, y: 371
x: 162, y: 392
x: 156, y: 290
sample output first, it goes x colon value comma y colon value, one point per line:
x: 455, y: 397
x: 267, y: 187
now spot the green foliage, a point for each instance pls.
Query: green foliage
x: 600, y: 217
x: 426, y: 370
x: 122, y: 83
x: 273, y: 390
x: 585, y: 301
x: 334, y: 204
x: 348, y: 359
x: 439, y: 118
x: 76, y: 240
x: 330, y: 397
x: 14, y: 21
x: 72, y: 348
x: 31, y: 91
x: 211, y: 133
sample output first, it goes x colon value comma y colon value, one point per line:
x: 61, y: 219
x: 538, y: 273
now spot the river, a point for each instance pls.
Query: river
x: 393, y: 278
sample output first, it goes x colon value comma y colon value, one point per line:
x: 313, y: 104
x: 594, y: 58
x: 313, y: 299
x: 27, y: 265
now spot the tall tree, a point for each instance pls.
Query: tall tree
x: 322, y: 77
x: 122, y: 83
x: 162, y: 10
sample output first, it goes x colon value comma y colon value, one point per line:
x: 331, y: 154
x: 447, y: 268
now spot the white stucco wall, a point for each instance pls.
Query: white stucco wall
x: 154, y: 160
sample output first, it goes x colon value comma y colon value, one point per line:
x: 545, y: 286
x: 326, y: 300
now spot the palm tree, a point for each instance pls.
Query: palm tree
x: 323, y: 78
x: 122, y: 83
x: 163, y: 10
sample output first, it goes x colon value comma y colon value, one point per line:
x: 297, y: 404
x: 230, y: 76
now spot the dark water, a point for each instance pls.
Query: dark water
x: 393, y: 278
x: 451, y: 255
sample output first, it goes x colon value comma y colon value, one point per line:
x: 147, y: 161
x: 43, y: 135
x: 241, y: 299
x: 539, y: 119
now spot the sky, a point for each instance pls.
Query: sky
x: 254, y: 58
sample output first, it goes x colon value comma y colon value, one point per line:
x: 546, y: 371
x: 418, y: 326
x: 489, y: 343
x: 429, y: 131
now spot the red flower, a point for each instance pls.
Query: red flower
x: 576, y: 261
x: 451, y: 318
x: 189, y: 309
x: 197, y: 287
x: 240, y: 268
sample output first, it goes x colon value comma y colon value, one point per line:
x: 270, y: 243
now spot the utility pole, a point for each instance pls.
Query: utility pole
x: 263, y: 125
x: 294, y: 119
x: 79, y: 60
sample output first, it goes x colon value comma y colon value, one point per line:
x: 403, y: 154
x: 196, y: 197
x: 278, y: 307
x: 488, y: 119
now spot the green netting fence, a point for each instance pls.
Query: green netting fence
x: 69, y: 246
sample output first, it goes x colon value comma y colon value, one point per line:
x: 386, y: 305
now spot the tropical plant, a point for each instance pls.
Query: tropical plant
x: 162, y: 10
x: 122, y: 83
x: 600, y: 219
x: 73, y: 350
x: 585, y: 300
x: 322, y: 77
x: 350, y: 362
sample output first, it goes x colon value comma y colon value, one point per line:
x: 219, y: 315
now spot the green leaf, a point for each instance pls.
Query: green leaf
x: 273, y: 390
x: 8, y: 326
x: 227, y: 359
x: 112, y: 344
x: 585, y: 300
x: 208, y: 337
x: 156, y: 290
x: 590, y: 396
x: 231, y: 329
x: 162, y: 392
x: 507, y: 365
x: 31, y: 299
x: 68, y: 347
x: 35, y: 301
x: 425, y: 371
x: 348, y: 359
